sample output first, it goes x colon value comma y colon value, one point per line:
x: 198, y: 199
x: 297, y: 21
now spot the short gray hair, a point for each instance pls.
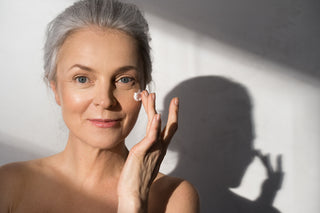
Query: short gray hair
x: 111, y: 14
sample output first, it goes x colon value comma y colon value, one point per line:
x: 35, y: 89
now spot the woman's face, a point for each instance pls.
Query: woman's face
x: 97, y: 76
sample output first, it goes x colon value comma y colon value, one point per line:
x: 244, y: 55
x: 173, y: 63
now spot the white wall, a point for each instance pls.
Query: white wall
x: 285, y: 96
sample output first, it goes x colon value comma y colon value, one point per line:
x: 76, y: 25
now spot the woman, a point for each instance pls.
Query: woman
x: 96, y: 59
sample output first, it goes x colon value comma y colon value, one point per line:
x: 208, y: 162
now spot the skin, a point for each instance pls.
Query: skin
x: 97, y: 75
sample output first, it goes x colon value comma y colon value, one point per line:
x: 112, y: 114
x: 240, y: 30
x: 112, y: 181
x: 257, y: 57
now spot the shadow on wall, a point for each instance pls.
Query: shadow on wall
x: 10, y: 153
x: 286, y: 31
x: 215, y: 145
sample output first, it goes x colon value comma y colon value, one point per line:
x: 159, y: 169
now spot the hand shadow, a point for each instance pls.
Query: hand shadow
x: 214, y: 143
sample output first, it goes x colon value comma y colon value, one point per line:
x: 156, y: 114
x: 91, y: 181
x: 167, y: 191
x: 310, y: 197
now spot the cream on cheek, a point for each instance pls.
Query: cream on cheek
x: 128, y: 105
x: 127, y: 101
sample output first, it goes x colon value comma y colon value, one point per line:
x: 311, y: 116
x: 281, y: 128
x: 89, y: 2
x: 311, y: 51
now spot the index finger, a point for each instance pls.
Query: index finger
x: 148, y: 101
x: 172, y: 123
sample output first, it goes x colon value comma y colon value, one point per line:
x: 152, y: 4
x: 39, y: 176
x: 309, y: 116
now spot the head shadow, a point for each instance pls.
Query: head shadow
x: 215, y: 129
x: 214, y: 141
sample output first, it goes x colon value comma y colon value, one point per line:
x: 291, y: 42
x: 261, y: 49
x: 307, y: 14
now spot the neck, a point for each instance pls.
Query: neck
x: 90, y: 166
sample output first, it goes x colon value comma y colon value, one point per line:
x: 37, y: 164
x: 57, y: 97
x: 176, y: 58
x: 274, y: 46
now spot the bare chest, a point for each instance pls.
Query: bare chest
x: 56, y: 198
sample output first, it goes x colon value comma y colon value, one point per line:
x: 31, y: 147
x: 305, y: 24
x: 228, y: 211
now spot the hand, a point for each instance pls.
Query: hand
x: 274, y: 181
x: 144, y: 159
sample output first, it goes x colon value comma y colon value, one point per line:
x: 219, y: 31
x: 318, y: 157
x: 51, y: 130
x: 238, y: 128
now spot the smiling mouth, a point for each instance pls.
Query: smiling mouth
x: 105, y: 123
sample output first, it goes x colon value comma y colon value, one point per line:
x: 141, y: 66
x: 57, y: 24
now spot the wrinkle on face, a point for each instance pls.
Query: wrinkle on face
x: 104, y: 57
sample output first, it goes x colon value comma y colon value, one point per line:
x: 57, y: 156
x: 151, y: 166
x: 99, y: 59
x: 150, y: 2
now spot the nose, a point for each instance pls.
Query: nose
x: 103, y: 96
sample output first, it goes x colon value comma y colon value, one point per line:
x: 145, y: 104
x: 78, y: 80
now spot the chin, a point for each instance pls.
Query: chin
x: 104, y: 142
x: 97, y: 139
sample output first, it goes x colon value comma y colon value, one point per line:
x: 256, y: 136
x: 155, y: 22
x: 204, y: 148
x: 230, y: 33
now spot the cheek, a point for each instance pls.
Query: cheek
x: 130, y: 106
x: 127, y: 101
x: 133, y: 109
x: 74, y: 101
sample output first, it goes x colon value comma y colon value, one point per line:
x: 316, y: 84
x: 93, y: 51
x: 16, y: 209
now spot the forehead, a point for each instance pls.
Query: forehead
x: 98, y: 48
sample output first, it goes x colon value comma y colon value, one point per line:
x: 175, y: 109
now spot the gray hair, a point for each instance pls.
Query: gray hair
x: 111, y: 14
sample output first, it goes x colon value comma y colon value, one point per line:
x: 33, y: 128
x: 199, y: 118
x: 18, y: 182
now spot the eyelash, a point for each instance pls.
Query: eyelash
x: 129, y: 81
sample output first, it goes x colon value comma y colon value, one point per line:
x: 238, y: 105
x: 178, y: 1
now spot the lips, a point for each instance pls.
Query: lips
x: 105, y: 123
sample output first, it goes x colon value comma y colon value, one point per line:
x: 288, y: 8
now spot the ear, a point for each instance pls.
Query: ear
x: 53, y: 86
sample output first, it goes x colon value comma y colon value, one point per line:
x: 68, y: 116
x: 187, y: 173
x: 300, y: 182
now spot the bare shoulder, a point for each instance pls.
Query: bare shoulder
x: 12, y: 174
x: 17, y: 171
x: 184, y: 198
x: 11, y: 183
x: 15, y: 174
x: 177, y: 195
x: 13, y: 179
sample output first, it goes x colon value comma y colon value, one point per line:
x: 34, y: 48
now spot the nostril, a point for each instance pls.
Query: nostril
x: 104, y: 98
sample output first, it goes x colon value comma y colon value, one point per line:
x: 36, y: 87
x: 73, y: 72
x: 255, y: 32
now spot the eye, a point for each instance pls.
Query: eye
x: 125, y: 80
x: 82, y: 79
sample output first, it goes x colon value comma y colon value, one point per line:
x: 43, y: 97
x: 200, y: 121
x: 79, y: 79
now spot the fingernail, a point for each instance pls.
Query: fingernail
x: 145, y: 93
x: 176, y: 101
x: 153, y: 96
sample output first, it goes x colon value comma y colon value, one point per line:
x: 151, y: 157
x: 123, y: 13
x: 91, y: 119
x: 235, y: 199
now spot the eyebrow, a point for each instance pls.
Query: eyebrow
x: 120, y: 70
x: 83, y: 67
x: 127, y: 68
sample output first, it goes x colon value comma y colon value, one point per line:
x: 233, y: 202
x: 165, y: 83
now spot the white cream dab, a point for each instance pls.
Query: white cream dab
x: 137, y: 95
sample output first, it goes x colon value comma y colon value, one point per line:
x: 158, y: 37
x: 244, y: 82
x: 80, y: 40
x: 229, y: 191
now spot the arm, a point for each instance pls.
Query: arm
x: 145, y: 158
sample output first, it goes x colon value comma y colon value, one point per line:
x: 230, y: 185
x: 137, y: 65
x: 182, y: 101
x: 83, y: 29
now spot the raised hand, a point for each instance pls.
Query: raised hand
x: 274, y: 181
x: 144, y: 159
